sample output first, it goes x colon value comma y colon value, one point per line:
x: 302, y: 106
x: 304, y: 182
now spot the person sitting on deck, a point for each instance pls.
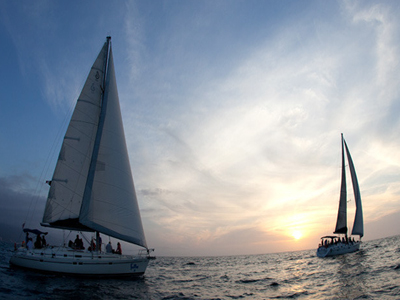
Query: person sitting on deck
x: 119, y: 250
x: 92, y: 246
x: 78, y: 243
x: 44, y: 242
x: 29, y: 245
x: 109, y: 248
x: 81, y: 244
x: 38, y: 242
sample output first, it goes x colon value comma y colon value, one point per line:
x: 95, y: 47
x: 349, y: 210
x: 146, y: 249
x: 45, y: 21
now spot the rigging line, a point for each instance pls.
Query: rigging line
x: 46, y: 166
x: 53, y: 149
x: 51, y: 154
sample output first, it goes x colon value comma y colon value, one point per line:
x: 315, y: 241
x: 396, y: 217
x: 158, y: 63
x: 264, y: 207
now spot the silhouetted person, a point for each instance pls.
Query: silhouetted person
x: 38, y: 242
x: 109, y: 248
x: 119, y: 250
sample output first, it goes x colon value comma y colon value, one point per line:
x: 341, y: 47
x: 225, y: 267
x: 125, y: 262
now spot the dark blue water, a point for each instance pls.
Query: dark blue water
x: 371, y: 273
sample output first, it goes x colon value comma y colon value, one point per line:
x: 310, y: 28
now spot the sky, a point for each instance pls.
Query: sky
x: 232, y: 111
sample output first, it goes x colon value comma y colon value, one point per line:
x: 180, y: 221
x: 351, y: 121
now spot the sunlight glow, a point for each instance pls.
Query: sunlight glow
x: 297, y: 234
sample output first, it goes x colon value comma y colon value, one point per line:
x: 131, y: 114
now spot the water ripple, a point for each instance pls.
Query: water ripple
x: 373, y: 272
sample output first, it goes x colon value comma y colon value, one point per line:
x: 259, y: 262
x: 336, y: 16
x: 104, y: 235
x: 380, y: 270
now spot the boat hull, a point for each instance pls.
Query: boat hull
x: 64, y: 261
x: 337, y: 249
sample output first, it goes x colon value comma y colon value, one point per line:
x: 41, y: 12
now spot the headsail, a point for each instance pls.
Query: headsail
x: 111, y: 205
x: 92, y: 187
x: 341, y: 223
x: 358, y: 226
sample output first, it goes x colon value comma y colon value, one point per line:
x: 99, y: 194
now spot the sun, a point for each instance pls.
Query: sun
x: 297, y: 234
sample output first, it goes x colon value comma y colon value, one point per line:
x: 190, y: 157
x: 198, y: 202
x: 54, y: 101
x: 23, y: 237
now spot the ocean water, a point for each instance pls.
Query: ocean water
x: 371, y: 273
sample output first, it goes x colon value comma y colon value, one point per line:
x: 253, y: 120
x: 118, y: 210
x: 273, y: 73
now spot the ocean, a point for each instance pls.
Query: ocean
x: 371, y: 273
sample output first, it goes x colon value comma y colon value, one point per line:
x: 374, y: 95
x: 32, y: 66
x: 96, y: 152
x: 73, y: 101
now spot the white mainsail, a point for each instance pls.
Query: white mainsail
x: 69, y: 178
x: 358, y: 226
x: 341, y: 223
x: 92, y: 186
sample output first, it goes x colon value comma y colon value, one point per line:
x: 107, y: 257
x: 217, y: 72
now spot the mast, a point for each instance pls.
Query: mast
x: 341, y: 223
x: 98, y: 246
x: 90, y: 178
x: 93, y: 163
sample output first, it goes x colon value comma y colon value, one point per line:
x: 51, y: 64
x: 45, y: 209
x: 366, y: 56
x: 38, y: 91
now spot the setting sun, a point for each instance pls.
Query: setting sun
x: 297, y: 234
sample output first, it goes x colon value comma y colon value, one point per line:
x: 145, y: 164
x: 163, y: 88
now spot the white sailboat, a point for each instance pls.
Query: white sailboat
x: 336, y: 245
x: 92, y: 186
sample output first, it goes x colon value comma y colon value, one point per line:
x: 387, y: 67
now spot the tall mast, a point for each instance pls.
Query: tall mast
x: 90, y: 178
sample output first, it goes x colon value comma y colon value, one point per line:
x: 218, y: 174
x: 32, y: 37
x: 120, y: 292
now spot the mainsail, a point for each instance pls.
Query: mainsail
x: 92, y: 186
x: 341, y: 223
x: 358, y: 226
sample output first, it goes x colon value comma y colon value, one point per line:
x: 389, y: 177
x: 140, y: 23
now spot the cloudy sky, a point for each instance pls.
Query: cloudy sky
x: 232, y: 111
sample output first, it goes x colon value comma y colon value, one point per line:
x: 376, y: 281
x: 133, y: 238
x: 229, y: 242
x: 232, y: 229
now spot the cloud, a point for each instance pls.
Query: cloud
x: 18, y: 205
x: 233, y: 127
x: 266, y: 134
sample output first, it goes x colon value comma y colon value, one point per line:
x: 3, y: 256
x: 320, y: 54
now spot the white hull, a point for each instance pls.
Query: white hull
x: 73, y: 262
x: 337, y: 249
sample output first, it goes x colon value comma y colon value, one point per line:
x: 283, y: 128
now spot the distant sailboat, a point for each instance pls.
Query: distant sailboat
x: 334, y: 245
x: 92, y: 187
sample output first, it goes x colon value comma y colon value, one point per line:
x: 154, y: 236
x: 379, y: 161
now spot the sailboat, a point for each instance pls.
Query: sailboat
x: 92, y: 188
x: 337, y: 245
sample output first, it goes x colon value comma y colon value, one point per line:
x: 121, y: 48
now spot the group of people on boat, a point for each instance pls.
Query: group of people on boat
x: 78, y: 245
x: 109, y: 248
x: 38, y: 244
x: 92, y: 246
x: 333, y: 240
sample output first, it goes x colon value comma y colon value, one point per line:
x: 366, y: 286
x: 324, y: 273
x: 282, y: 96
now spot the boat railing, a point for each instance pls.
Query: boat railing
x: 146, y: 253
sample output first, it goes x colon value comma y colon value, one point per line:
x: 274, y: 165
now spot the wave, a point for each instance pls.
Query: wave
x: 255, y: 280
x: 291, y: 296
x: 376, y: 273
